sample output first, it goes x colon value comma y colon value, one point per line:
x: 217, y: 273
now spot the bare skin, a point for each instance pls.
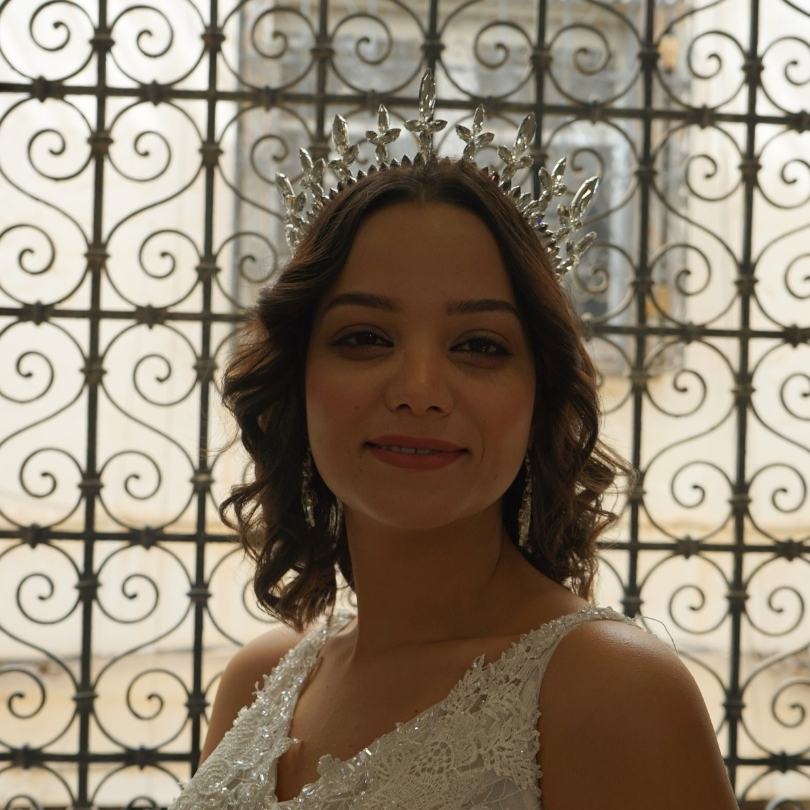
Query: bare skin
x: 345, y: 705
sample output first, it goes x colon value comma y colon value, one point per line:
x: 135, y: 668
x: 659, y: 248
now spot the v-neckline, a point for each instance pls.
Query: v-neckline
x: 312, y: 655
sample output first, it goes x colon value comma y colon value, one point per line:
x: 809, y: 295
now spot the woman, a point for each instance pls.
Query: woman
x: 469, y: 568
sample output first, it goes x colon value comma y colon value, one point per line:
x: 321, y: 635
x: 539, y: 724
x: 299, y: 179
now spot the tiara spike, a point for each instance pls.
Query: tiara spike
x: 427, y: 95
x: 284, y: 185
x: 531, y: 209
x: 312, y: 178
x: 584, y: 243
x: 426, y: 126
x: 518, y: 156
x: 554, y: 181
x: 384, y: 135
x: 515, y: 158
x: 584, y: 197
x: 564, y: 215
x: 348, y: 154
x: 294, y: 223
x: 526, y: 132
x: 475, y: 139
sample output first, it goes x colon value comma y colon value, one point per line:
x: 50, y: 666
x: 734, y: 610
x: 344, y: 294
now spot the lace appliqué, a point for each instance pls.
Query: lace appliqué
x: 477, y: 749
x: 238, y: 773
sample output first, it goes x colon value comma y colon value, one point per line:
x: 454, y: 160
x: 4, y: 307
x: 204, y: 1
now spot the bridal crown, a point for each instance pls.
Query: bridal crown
x: 564, y: 252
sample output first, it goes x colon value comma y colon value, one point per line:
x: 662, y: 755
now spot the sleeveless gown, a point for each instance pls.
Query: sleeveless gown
x: 476, y: 749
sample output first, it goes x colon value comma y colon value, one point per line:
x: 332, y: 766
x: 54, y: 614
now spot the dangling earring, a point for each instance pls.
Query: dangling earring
x: 335, y: 517
x: 309, y: 499
x: 308, y: 496
x: 525, y: 513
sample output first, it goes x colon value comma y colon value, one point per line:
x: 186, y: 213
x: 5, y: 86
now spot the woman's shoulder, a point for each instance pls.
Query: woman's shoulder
x: 599, y: 635
x: 610, y: 633
x: 615, y: 698
x: 243, y: 676
x: 260, y: 656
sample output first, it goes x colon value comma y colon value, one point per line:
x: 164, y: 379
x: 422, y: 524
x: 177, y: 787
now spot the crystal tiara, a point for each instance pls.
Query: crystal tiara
x: 533, y: 210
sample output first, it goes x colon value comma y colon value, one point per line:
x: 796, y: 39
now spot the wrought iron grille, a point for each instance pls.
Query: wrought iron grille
x: 114, y: 616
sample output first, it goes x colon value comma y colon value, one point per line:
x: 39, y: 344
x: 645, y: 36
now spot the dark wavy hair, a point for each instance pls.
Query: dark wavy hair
x: 263, y: 386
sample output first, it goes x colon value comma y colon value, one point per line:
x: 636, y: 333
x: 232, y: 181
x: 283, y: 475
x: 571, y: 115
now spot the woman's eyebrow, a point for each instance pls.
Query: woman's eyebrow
x: 454, y: 307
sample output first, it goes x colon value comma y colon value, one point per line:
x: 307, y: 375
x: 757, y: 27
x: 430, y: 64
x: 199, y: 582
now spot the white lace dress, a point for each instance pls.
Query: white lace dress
x: 476, y: 749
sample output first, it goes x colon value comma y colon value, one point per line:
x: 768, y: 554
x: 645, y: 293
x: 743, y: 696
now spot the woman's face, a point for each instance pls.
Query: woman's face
x: 465, y: 378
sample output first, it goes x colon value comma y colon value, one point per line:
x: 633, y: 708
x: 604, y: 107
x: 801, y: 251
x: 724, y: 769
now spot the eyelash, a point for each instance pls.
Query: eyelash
x: 502, y: 352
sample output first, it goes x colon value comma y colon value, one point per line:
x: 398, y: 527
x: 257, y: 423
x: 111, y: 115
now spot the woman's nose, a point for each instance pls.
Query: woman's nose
x: 420, y: 378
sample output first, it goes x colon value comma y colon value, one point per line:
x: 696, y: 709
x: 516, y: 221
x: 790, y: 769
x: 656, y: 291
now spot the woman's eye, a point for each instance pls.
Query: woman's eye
x: 344, y: 340
x: 500, y: 350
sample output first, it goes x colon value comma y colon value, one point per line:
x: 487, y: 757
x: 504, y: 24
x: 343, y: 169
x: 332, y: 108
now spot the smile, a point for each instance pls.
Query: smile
x: 413, y: 459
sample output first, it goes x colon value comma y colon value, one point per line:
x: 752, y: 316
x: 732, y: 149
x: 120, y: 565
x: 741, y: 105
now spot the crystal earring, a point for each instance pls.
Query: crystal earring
x: 525, y: 513
x: 309, y: 499
x: 308, y: 496
x: 336, y: 517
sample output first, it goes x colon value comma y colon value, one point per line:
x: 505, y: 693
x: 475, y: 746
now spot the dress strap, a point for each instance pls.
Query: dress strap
x: 543, y: 645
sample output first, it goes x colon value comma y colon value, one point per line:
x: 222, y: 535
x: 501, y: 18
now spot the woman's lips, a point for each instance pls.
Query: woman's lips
x: 415, y: 461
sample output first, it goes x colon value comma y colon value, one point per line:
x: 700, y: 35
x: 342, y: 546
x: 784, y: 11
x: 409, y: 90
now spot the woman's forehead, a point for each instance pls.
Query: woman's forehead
x: 421, y: 256
x: 432, y: 241
x: 434, y: 220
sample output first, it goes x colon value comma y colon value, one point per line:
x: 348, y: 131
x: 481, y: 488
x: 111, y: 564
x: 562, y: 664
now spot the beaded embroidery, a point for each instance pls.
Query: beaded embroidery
x: 475, y: 749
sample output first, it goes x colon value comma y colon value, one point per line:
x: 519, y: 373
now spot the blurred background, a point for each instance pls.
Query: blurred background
x: 138, y: 148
